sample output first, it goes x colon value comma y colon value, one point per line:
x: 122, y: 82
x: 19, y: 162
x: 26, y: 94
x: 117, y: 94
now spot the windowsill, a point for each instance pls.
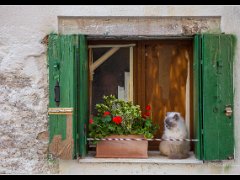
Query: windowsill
x: 153, y: 157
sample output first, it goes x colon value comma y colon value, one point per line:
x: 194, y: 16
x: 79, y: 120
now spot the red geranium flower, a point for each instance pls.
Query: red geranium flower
x: 106, y: 113
x: 147, y: 113
x: 117, y: 119
x: 148, y: 107
x: 144, y: 116
x: 91, y: 121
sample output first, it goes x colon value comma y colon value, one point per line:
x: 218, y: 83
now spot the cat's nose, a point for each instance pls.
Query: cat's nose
x: 167, y: 121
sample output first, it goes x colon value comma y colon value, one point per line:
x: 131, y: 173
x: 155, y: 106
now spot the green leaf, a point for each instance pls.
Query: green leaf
x: 107, y: 119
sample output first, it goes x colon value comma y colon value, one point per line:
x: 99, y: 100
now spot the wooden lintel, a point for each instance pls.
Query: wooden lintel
x: 111, y: 45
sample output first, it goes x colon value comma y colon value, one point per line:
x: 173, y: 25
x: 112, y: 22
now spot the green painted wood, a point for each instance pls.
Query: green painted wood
x: 61, y: 63
x: 75, y: 101
x: 54, y: 75
x: 82, y: 91
x: 197, y: 96
x: 217, y: 81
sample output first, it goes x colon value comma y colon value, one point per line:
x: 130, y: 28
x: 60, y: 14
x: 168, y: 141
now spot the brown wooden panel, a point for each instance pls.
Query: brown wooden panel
x: 166, y: 67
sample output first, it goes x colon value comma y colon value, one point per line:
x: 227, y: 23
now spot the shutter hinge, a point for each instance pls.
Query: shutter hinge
x: 202, y: 131
x: 77, y: 136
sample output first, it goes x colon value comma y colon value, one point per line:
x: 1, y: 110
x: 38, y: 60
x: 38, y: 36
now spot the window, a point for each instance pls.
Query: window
x: 207, y: 83
x: 161, y: 78
x: 111, y: 70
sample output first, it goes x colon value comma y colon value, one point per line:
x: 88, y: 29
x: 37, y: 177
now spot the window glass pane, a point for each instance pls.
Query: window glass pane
x: 111, y: 77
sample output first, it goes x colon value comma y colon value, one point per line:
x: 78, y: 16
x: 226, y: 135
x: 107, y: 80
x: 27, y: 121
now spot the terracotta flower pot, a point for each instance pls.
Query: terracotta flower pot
x: 122, y: 149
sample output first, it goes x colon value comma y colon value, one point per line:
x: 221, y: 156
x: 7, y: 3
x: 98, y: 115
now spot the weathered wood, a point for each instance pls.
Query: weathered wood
x: 217, y: 69
x: 140, y: 76
x: 197, y: 97
x: 60, y: 148
x: 90, y: 62
x: 61, y: 59
x: 60, y: 111
x: 110, y: 45
x: 83, y: 95
x: 162, y: 76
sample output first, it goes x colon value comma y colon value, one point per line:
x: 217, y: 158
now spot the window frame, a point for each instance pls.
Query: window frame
x: 138, y: 55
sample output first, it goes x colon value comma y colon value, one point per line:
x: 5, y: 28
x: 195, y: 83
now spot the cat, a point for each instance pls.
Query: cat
x: 174, y: 127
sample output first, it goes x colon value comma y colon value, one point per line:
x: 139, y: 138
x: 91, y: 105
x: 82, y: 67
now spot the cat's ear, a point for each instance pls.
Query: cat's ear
x: 176, y: 117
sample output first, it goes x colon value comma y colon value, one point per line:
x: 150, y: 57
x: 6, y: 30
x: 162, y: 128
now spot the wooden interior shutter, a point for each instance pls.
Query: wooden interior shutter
x: 216, y: 96
x: 62, y: 95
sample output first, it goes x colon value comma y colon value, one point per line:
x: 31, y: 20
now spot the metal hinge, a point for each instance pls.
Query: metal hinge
x: 228, y: 110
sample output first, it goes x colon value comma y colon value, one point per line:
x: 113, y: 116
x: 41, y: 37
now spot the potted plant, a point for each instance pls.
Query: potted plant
x: 120, y: 119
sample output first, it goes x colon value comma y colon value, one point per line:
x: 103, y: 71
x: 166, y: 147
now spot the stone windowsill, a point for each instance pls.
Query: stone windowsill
x: 154, y: 157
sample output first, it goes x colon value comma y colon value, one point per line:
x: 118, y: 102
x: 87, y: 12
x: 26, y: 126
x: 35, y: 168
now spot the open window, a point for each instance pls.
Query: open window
x: 154, y: 72
x: 192, y: 76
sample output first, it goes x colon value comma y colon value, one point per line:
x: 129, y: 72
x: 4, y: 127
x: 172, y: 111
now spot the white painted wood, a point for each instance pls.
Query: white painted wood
x: 111, y: 45
x: 121, y: 93
x: 131, y: 76
x: 126, y: 85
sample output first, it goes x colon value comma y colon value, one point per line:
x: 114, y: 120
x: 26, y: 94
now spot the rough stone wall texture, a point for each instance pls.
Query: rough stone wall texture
x: 23, y: 79
x: 23, y: 93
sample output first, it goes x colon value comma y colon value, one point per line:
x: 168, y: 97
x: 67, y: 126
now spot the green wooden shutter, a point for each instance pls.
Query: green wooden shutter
x: 68, y: 66
x: 62, y: 115
x: 197, y: 96
x: 82, y: 95
x: 215, y: 95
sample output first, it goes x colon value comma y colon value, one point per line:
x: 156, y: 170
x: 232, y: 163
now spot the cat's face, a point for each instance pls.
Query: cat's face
x: 171, y: 120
